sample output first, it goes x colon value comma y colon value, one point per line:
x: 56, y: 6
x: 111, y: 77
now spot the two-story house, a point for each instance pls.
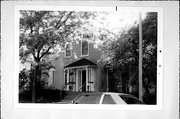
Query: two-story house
x: 78, y: 68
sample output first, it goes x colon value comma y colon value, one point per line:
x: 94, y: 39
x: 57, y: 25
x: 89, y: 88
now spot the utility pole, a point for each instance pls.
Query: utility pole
x: 140, y: 58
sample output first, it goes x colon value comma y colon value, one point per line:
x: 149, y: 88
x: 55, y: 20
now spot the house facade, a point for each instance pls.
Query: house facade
x: 78, y: 69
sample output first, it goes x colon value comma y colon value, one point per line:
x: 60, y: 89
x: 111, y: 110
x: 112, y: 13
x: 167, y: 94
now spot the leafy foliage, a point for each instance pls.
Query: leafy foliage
x: 44, y: 33
x: 121, y: 54
x: 26, y: 78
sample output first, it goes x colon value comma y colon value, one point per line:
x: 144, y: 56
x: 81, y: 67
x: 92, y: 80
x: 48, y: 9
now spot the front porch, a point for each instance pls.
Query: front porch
x: 80, y: 76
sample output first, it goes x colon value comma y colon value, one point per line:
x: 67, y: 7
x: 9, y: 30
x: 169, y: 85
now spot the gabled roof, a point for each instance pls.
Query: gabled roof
x: 81, y: 62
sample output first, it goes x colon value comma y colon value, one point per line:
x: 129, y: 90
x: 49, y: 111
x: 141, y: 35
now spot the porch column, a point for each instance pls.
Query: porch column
x: 67, y: 80
x: 64, y: 79
x: 76, y: 78
x: 87, y: 76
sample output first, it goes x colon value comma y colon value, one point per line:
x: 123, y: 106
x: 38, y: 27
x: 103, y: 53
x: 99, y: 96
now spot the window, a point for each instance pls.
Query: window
x: 89, y: 75
x: 84, y: 48
x: 90, y: 80
x: 88, y: 99
x: 68, y: 50
x: 51, y: 77
x: 65, y: 77
x: 130, y: 99
x: 108, y: 100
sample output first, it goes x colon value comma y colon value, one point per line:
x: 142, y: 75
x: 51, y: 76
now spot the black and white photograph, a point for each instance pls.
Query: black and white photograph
x: 88, y: 57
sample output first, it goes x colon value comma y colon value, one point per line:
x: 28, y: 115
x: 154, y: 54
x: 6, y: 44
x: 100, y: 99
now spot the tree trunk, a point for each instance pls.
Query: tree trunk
x: 35, y: 78
x: 146, y: 97
x: 120, y: 80
x: 130, y: 79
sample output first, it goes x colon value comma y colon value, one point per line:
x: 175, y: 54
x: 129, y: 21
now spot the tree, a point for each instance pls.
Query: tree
x: 43, y: 33
x: 121, y: 54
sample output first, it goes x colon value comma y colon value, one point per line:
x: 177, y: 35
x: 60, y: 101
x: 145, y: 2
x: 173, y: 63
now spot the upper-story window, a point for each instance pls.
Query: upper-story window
x: 84, y: 48
x: 68, y: 50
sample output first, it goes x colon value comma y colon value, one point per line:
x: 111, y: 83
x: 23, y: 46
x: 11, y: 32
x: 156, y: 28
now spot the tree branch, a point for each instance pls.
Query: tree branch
x: 45, y: 52
x: 58, y: 22
x: 63, y: 22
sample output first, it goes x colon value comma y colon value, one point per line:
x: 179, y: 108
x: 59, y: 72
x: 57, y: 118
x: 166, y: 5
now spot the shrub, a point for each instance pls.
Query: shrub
x: 48, y: 95
x: 45, y: 95
x: 25, y: 97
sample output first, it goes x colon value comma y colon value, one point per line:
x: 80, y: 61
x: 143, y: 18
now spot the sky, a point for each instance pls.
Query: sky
x: 119, y: 19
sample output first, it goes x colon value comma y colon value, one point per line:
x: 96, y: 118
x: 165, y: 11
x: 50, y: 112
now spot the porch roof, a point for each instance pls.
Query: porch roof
x: 80, y: 63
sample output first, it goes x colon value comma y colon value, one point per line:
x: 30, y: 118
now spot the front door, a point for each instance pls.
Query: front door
x: 83, y: 80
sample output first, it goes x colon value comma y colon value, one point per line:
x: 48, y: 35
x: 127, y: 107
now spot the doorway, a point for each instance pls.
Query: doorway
x: 83, y: 80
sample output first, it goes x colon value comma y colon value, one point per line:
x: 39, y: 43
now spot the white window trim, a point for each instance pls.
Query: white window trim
x: 70, y: 50
x: 81, y: 49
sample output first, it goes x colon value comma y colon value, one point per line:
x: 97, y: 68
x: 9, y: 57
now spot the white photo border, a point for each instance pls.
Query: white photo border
x: 158, y: 106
